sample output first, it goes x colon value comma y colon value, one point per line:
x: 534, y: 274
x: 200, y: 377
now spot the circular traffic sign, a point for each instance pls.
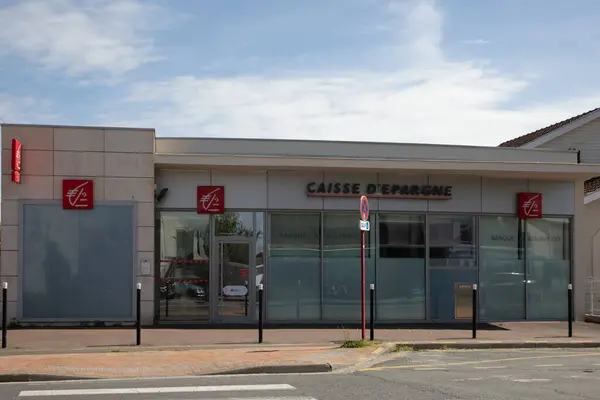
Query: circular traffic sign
x: 364, y: 208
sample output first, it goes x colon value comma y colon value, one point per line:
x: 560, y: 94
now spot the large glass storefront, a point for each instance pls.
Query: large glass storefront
x: 210, y: 267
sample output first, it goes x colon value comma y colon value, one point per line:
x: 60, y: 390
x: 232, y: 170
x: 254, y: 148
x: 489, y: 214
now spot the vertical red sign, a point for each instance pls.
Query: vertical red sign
x: 78, y: 194
x: 15, y: 162
x: 211, y: 199
x: 529, y: 205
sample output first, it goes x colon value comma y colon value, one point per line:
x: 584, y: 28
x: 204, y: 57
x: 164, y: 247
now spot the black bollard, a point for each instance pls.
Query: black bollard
x: 570, y: 305
x: 260, y: 313
x: 4, y: 312
x: 138, y: 322
x: 372, y: 312
x: 474, y: 322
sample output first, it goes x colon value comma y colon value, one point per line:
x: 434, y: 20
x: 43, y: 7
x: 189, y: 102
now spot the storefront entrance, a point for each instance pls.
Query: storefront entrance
x: 233, y: 289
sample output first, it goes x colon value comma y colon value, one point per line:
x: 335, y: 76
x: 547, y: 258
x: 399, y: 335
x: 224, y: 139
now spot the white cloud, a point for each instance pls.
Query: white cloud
x: 428, y: 99
x: 79, y: 36
x: 31, y: 110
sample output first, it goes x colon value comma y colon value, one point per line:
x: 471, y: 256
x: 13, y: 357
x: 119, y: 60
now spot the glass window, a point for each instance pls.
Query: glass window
x: 184, y: 266
x: 451, y: 241
x: 548, y: 267
x: 341, y: 266
x: 78, y: 265
x: 401, y: 267
x: 294, y: 266
x: 235, y: 224
x: 501, y: 268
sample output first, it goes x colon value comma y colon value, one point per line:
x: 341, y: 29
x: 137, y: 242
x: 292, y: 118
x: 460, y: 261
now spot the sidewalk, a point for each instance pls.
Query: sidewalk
x: 109, y: 353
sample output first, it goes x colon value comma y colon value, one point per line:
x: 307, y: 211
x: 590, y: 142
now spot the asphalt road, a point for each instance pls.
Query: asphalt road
x: 437, y: 375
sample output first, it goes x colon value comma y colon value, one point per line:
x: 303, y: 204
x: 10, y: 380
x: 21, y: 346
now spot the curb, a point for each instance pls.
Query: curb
x: 15, y: 378
x: 278, y: 369
x: 498, y: 345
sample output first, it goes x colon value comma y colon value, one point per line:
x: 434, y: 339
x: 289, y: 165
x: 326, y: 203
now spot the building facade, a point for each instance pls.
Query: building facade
x: 201, y: 223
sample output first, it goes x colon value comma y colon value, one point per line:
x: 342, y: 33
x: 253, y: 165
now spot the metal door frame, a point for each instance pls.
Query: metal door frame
x: 215, y: 283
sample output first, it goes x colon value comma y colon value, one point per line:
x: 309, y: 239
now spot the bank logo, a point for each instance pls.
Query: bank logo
x: 530, y: 205
x: 211, y: 200
x: 78, y: 194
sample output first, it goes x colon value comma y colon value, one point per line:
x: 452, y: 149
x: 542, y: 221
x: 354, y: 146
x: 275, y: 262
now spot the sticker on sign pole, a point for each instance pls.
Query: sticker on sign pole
x: 364, y: 208
x: 365, y: 225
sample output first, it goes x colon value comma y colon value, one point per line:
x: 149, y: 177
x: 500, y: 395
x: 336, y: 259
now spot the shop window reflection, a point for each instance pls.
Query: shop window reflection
x: 184, y: 266
x: 451, y: 241
x: 401, y: 267
x: 235, y: 224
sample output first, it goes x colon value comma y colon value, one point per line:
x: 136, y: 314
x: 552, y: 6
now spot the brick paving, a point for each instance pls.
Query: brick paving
x: 165, y: 352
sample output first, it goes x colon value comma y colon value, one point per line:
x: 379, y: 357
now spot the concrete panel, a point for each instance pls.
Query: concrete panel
x: 401, y: 204
x: 287, y: 190
x: 145, y: 214
x: 500, y: 195
x: 147, y: 287
x: 145, y: 238
x: 11, y: 212
x: 129, y: 165
x: 34, y: 162
x: 144, y: 255
x: 98, y: 186
x: 129, y: 141
x: 182, y: 187
x: 12, y: 308
x: 351, y: 202
x: 32, y: 137
x: 147, y: 309
x: 31, y: 187
x: 129, y: 189
x: 10, y: 237
x: 10, y: 261
x: 466, y: 194
x: 79, y: 139
x: 13, y: 286
x: 78, y: 163
x: 557, y: 197
x: 242, y: 189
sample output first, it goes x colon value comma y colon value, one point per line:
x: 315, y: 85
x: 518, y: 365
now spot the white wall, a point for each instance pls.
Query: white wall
x: 121, y: 163
x: 586, y: 138
x: 286, y: 190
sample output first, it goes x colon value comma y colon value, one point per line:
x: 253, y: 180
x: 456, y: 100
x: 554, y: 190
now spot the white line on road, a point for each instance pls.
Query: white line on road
x: 261, y: 398
x: 549, y: 365
x: 531, y: 380
x: 166, y: 389
x: 498, y: 367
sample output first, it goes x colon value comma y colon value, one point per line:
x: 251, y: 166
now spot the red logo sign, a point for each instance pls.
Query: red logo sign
x: 211, y: 199
x: 530, y: 205
x: 15, y: 161
x: 78, y: 194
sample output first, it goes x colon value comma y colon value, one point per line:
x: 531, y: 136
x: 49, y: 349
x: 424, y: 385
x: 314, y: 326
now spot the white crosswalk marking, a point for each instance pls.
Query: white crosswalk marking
x: 157, y: 390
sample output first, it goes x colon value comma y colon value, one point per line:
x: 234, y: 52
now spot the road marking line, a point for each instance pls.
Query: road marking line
x: 531, y: 380
x: 549, y: 365
x: 431, y: 369
x: 494, y: 367
x: 480, y: 361
x: 153, y: 390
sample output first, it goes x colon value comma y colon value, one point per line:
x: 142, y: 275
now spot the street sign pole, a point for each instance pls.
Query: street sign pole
x: 364, y: 226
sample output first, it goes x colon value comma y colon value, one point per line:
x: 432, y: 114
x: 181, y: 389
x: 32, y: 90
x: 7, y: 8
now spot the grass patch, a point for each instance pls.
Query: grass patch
x: 403, y: 348
x: 355, y: 344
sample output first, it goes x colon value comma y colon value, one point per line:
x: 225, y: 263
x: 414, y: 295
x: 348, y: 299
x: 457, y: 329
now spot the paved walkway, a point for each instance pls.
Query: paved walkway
x: 59, y: 340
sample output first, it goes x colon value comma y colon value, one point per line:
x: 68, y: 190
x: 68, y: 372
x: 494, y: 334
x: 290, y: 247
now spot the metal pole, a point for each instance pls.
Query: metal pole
x: 474, y: 322
x: 246, y: 301
x: 138, y: 322
x: 362, y: 284
x: 591, y: 295
x: 4, y: 312
x: 260, y: 313
x: 372, y: 304
x: 570, y: 305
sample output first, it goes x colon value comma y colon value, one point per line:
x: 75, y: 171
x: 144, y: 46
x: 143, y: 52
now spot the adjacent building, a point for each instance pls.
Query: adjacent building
x: 201, y: 223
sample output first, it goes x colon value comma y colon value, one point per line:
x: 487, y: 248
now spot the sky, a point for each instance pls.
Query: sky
x: 423, y: 71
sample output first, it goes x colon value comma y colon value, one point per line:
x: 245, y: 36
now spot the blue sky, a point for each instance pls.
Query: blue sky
x: 446, y: 71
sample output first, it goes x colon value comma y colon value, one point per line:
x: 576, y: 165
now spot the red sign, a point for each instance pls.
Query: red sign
x: 529, y: 205
x: 78, y: 194
x: 15, y: 161
x: 211, y: 199
x: 364, y: 208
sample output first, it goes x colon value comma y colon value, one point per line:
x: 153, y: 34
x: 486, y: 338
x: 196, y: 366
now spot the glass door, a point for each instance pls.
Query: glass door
x: 235, y: 281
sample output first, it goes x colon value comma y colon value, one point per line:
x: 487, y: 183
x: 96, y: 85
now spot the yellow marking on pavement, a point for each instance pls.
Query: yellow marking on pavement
x: 480, y: 361
x: 549, y: 365
x: 494, y: 367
